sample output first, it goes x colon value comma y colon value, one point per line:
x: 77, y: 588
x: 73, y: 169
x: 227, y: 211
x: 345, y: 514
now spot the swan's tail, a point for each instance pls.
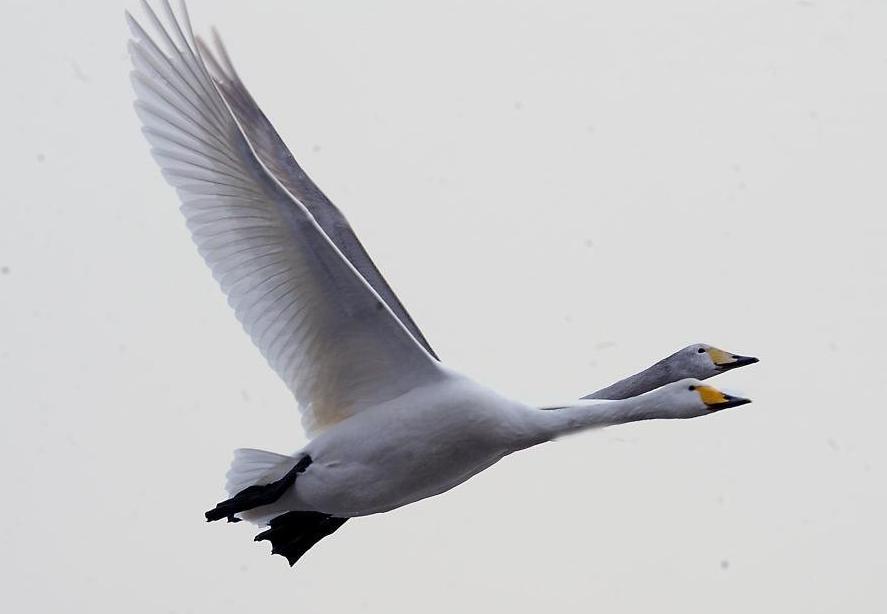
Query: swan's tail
x: 258, y: 479
x: 251, y: 467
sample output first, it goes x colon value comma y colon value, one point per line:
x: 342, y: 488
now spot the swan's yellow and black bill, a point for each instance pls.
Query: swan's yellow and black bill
x: 725, y: 361
x: 714, y: 399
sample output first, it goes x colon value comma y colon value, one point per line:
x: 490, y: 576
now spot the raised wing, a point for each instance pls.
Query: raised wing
x: 273, y: 153
x: 322, y: 328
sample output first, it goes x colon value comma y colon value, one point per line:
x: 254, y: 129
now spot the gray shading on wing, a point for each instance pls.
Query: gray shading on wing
x: 321, y: 327
x: 278, y: 159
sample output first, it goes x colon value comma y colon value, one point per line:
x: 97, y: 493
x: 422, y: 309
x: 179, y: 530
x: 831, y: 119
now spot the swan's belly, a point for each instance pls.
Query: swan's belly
x: 386, y: 458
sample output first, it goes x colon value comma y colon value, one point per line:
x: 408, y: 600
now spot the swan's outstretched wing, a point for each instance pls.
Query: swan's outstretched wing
x: 273, y: 153
x: 323, y: 329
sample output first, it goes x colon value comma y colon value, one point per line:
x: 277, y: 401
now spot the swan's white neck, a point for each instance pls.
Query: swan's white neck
x: 550, y: 423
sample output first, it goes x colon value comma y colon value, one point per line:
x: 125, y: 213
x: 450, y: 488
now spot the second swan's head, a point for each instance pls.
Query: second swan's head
x: 702, y: 361
x: 689, y: 398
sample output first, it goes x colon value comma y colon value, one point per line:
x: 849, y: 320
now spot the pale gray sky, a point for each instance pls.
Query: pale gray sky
x: 561, y: 193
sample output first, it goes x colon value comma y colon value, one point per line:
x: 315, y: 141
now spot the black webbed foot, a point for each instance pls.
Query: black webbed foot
x: 294, y: 533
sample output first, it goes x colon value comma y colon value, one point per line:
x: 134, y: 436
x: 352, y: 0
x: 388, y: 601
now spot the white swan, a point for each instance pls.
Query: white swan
x: 390, y: 424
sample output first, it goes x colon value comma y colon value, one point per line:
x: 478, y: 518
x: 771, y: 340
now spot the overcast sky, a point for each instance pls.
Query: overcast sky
x: 561, y: 193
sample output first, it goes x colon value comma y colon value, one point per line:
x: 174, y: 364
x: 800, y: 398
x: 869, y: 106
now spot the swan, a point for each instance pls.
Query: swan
x: 388, y: 423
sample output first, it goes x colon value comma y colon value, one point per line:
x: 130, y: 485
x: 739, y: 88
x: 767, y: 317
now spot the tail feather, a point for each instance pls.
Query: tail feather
x: 258, y: 495
x: 252, y: 466
x: 255, y: 482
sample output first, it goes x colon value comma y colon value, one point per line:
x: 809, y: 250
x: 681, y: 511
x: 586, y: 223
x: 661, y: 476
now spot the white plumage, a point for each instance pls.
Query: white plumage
x: 330, y: 337
x: 389, y: 423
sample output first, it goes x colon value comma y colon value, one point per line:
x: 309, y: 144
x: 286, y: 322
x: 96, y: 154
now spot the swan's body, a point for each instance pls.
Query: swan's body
x: 389, y: 424
x: 413, y: 447
x: 434, y: 438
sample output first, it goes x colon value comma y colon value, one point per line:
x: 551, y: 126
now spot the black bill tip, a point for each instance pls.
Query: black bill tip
x: 731, y: 401
x: 738, y: 361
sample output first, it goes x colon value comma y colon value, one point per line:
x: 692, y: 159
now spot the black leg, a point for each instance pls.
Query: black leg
x: 257, y: 495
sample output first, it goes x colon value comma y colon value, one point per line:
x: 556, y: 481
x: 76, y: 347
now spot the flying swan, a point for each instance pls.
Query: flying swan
x: 388, y: 423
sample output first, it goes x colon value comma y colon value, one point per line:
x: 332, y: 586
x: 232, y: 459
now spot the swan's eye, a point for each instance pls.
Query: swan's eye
x: 700, y: 350
x: 692, y: 388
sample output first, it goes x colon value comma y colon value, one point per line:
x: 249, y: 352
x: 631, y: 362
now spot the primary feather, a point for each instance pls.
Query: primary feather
x: 321, y: 327
x: 276, y: 157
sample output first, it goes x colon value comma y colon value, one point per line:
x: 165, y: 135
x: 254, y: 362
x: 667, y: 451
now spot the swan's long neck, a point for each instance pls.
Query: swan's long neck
x: 649, y: 379
x: 552, y: 422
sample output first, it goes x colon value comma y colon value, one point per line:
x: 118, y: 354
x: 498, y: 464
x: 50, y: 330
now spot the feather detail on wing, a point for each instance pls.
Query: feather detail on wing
x: 280, y: 162
x: 320, y: 325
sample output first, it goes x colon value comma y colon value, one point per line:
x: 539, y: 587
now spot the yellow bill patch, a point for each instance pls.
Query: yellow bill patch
x: 720, y: 357
x: 711, y: 396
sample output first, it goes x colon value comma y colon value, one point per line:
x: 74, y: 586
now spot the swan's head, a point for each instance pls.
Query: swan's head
x: 702, y: 361
x: 689, y: 398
